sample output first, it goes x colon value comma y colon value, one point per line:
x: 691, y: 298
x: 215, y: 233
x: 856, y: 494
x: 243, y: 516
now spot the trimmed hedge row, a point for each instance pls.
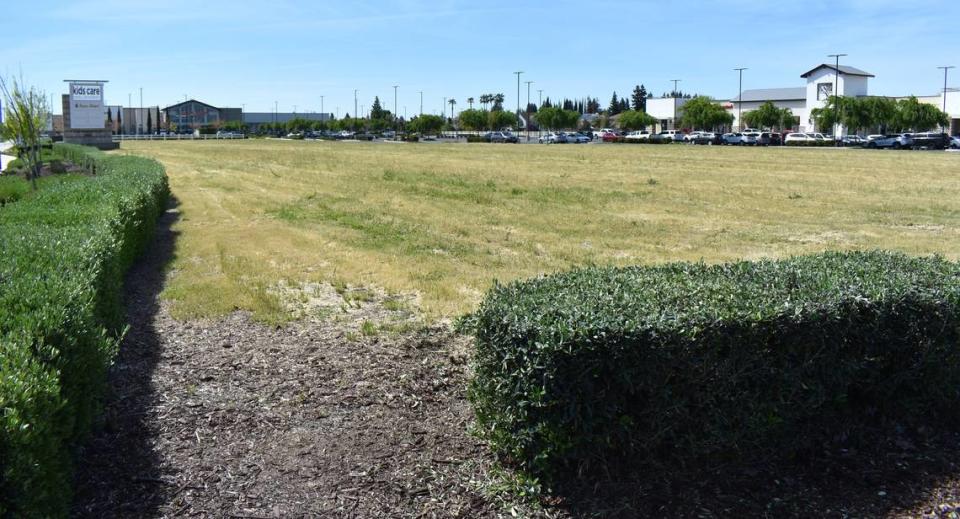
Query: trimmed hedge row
x: 64, y: 253
x: 690, y: 363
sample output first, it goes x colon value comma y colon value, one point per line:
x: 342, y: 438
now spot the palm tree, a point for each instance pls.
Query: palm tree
x: 498, y: 101
x: 453, y: 103
x: 470, y: 102
x: 484, y: 100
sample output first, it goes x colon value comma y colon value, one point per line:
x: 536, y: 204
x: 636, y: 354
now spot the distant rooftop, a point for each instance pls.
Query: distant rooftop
x: 772, y: 94
x: 844, y: 69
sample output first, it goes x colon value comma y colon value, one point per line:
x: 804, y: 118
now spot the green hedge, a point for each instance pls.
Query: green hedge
x: 682, y: 362
x: 65, y: 251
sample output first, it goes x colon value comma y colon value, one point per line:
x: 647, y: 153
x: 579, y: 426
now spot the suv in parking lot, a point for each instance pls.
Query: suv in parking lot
x: 930, y: 141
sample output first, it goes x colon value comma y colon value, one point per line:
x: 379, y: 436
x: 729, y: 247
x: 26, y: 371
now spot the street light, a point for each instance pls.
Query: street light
x: 395, y: 111
x: 526, y: 127
x: 421, y: 102
x: 836, y: 93
x: 355, y: 109
x: 539, y: 105
x: 518, y: 96
x: 740, y: 100
x: 945, y: 69
x: 675, y: 81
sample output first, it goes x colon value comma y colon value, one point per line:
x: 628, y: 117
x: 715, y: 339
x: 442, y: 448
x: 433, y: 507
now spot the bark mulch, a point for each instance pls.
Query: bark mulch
x: 231, y: 418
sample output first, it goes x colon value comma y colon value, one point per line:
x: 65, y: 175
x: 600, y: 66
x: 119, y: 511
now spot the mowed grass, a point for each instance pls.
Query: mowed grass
x: 446, y: 220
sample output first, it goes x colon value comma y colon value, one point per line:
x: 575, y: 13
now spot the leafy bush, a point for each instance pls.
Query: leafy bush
x: 690, y: 362
x: 64, y: 254
x: 411, y: 138
x: 12, y: 188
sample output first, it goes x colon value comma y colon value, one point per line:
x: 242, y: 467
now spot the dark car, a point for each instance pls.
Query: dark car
x: 931, y: 141
x: 502, y: 137
x: 708, y: 138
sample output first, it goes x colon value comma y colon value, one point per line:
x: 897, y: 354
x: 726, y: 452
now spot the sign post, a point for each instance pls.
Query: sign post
x: 84, y: 115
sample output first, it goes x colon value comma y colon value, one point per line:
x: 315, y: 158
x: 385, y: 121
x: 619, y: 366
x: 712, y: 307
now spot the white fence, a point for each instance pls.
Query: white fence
x: 175, y: 137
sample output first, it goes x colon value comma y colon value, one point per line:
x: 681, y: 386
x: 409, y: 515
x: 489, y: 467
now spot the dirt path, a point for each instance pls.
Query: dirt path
x: 230, y: 418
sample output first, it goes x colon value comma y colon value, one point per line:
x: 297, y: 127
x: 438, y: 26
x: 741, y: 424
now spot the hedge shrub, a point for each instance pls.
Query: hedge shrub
x: 65, y: 250
x: 689, y: 362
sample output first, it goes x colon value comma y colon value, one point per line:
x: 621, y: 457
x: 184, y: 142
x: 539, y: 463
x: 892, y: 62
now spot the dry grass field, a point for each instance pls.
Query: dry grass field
x: 443, y: 221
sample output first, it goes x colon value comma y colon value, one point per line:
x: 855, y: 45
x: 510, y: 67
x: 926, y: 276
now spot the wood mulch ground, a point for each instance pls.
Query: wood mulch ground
x: 231, y: 418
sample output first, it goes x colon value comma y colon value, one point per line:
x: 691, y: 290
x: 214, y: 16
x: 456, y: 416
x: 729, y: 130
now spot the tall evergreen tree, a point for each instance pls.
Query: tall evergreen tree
x: 157, y: 118
x: 120, y: 121
x: 110, y: 119
x: 149, y: 122
x: 643, y: 98
x: 614, y: 108
x: 637, y: 99
x: 376, y: 111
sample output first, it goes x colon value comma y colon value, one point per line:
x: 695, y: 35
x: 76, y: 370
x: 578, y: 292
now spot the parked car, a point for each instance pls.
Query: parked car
x: 708, y: 138
x: 502, y: 137
x: 598, y: 134
x: 776, y: 139
x: 689, y: 137
x: 639, y: 135
x: 346, y: 134
x: 816, y: 136
x: 730, y: 138
x: 365, y: 136
x: 793, y: 138
x: 930, y: 141
x: 609, y: 137
x: 552, y: 138
x: 853, y: 140
x: 887, y: 141
x: 750, y: 138
x: 955, y: 142
x: 578, y: 138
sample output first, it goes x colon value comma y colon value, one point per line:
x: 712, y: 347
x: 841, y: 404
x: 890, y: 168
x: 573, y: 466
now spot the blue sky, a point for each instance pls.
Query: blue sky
x: 252, y: 54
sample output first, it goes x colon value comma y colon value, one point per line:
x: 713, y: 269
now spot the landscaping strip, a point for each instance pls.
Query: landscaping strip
x: 64, y: 254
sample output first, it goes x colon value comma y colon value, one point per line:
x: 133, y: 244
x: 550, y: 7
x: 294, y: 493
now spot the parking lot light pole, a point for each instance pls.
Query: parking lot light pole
x: 421, y: 102
x: 836, y: 94
x: 321, y: 108
x: 945, y: 69
x: 518, y: 96
x: 527, y: 111
x: 395, y: 111
x: 740, y: 100
x: 675, y: 81
x: 355, y: 109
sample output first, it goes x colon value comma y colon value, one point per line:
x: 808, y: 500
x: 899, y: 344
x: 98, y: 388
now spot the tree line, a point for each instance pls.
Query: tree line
x: 881, y: 114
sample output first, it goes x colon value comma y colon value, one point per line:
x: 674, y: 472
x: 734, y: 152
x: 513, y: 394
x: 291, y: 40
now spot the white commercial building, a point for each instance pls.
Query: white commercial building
x: 823, y: 81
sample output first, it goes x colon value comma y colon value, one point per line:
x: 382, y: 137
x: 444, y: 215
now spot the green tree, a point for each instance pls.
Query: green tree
x: 470, y: 102
x: 766, y: 115
x: 635, y: 120
x: 474, y: 120
x: 498, y: 119
x: 120, y: 120
x: 703, y: 113
x: 25, y: 116
x: 919, y: 117
x: 557, y: 119
x: 376, y: 111
x: 614, y: 107
x: 426, y: 123
x: 110, y: 119
x: 497, y: 100
x: 149, y: 122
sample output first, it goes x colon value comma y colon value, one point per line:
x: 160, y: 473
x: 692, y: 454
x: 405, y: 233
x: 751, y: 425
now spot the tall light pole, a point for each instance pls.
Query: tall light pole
x: 675, y: 81
x: 945, y: 69
x: 421, y: 102
x: 355, y: 109
x: 836, y: 93
x: 276, y: 115
x: 526, y: 127
x: 539, y: 106
x: 321, y: 107
x: 395, y: 117
x: 518, y: 96
x: 740, y: 100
